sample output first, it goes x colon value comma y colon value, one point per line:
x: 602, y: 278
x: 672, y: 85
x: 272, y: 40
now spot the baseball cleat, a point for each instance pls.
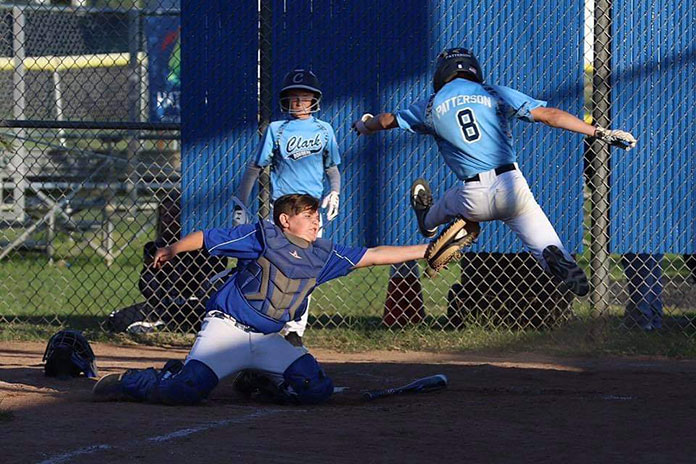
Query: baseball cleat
x: 257, y: 386
x: 448, y: 245
x: 109, y: 388
x: 294, y: 339
x: 421, y: 201
x: 566, y: 270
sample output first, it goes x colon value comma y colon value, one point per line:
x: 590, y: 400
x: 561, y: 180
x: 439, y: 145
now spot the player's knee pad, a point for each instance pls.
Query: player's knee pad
x: 138, y: 384
x: 308, y: 382
x: 191, y: 385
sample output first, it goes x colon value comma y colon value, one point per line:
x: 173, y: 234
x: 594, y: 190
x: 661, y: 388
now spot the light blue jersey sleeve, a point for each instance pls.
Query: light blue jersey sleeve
x: 521, y: 105
x: 333, y: 157
x: 413, y: 118
x: 264, y: 152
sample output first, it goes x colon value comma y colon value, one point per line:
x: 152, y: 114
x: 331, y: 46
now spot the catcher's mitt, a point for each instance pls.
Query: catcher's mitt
x: 447, y: 246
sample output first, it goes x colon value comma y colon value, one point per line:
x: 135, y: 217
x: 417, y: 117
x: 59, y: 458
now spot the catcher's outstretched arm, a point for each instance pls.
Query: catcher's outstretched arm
x: 391, y: 255
x: 191, y: 242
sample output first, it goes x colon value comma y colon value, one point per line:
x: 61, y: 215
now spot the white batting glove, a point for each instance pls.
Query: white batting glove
x: 359, y: 125
x: 330, y: 204
x: 239, y: 216
x: 617, y: 138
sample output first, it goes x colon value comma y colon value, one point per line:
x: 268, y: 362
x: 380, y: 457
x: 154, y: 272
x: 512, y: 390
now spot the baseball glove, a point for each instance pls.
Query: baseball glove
x: 447, y: 246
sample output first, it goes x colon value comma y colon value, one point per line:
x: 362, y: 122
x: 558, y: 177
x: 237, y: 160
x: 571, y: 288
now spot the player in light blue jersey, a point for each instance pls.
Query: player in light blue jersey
x: 301, y: 150
x: 469, y: 120
x: 279, y: 264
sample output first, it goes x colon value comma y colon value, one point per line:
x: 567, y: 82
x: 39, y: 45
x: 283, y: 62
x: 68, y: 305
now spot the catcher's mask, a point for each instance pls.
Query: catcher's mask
x: 68, y: 354
x: 300, y: 79
x: 454, y: 61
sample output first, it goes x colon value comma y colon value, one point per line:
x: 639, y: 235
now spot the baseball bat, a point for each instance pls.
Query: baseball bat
x: 423, y: 385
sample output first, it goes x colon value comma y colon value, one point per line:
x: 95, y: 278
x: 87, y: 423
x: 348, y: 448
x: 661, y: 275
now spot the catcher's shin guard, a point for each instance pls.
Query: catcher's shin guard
x: 421, y: 201
x: 566, y: 270
x: 448, y: 245
x: 132, y: 385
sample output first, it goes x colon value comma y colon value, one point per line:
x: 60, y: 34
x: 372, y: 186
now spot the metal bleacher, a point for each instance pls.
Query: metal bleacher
x: 45, y: 189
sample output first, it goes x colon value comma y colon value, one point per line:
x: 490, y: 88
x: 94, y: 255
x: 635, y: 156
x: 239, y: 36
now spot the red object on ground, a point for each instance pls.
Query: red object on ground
x: 404, y: 303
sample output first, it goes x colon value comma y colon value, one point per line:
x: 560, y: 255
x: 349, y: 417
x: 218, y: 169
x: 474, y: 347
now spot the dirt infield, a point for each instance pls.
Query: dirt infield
x: 513, y: 408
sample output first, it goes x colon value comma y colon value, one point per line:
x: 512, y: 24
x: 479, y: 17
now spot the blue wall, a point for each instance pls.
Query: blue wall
x: 375, y: 56
x: 218, y: 106
x: 653, y: 201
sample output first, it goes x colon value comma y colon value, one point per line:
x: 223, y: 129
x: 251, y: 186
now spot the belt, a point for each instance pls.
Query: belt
x: 239, y: 325
x: 498, y: 171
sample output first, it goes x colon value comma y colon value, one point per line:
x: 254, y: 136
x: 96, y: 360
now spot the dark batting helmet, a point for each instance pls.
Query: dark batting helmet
x: 453, y: 61
x: 300, y: 79
x: 68, y: 354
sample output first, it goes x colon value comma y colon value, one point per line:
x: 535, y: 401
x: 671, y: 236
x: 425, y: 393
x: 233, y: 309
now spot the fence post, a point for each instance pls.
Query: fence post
x: 600, y: 158
x: 19, y: 97
x: 265, y: 98
x: 58, y: 97
x: 134, y: 89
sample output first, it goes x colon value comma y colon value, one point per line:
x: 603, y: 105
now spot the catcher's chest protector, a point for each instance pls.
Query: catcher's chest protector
x: 279, y: 281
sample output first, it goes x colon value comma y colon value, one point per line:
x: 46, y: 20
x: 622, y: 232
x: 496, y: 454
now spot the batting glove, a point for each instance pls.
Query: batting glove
x: 239, y: 216
x: 360, y: 127
x: 330, y: 204
x: 617, y: 138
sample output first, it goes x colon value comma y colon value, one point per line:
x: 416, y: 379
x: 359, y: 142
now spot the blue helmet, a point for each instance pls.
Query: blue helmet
x: 68, y: 354
x: 453, y: 61
x: 301, y: 79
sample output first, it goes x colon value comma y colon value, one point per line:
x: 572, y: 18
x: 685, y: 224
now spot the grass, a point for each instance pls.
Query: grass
x: 579, y: 337
x: 78, y: 281
x: 79, y: 290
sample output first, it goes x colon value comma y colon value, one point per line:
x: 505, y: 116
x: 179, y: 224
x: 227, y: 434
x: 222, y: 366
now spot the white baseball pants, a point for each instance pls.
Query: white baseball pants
x: 505, y: 197
x: 226, y: 348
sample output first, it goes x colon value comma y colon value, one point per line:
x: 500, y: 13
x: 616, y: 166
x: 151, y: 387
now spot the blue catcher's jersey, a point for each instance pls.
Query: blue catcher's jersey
x: 263, y: 250
x: 470, y: 122
x: 299, y: 151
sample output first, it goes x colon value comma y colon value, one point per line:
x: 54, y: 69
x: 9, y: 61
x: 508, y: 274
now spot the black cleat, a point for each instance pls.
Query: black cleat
x: 421, y: 201
x: 259, y: 387
x: 566, y: 270
x: 294, y: 339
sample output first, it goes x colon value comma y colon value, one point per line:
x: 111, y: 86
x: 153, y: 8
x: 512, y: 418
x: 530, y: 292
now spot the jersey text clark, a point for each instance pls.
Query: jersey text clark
x: 296, y: 143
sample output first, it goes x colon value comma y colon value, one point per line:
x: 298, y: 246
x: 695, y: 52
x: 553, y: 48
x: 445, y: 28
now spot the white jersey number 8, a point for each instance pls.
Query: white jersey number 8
x: 468, y: 125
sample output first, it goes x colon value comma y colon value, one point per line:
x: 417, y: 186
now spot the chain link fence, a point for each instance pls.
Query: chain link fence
x: 93, y: 179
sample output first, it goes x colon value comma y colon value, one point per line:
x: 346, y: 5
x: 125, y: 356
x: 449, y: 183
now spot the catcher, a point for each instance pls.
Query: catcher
x: 279, y: 265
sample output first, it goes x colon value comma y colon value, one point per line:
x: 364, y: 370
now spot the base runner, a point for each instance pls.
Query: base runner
x: 469, y: 119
